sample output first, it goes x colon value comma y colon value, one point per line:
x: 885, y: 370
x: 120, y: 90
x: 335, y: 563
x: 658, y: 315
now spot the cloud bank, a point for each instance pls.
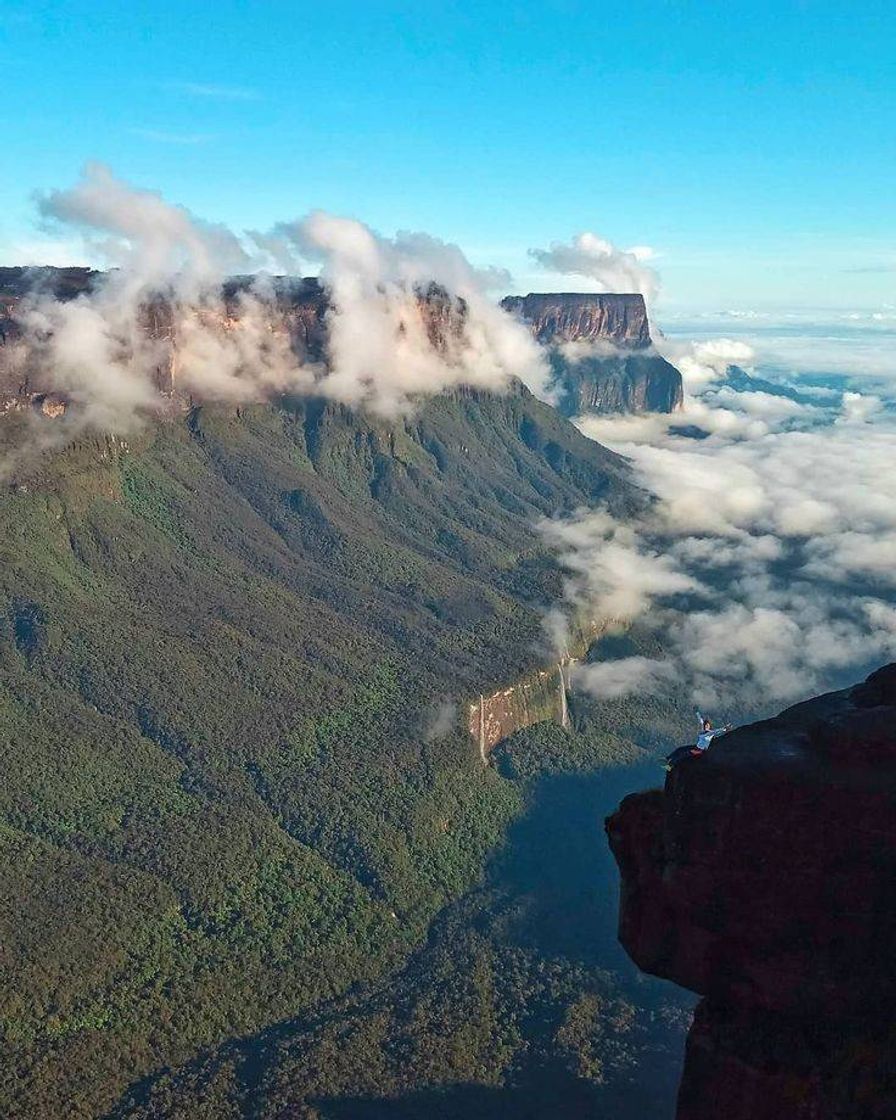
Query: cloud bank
x: 851, y: 345
x: 610, y: 269
x: 381, y: 348
x: 767, y: 566
x: 406, y: 316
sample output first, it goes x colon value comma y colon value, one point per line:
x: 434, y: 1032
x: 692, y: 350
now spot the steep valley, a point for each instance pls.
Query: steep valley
x: 229, y: 797
x: 520, y: 1004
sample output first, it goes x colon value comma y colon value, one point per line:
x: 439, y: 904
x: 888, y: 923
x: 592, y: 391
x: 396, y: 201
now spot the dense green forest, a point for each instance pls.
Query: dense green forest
x: 226, y: 800
x: 520, y: 1003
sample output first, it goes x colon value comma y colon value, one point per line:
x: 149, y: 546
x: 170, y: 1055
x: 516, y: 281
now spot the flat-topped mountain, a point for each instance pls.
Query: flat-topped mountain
x: 762, y: 878
x: 599, y: 345
x: 601, y: 351
x: 572, y: 317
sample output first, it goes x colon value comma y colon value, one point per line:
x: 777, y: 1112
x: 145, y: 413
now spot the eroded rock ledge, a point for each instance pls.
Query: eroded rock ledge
x: 764, y: 878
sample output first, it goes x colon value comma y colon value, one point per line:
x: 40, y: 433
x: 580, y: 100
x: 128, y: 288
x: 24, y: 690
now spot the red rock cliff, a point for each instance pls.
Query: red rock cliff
x: 764, y: 878
x: 574, y: 316
x: 610, y: 366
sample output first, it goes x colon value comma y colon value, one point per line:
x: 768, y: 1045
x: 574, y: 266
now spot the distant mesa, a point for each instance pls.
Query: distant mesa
x: 557, y: 317
x: 601, y: 351
x: 762, y: 878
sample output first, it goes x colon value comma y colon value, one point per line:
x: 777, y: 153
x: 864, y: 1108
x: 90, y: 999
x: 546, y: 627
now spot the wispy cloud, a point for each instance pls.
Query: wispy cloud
x: 213, y: 91
x: 161, y: 137
x: 891, y: 267
x: 610, y: 268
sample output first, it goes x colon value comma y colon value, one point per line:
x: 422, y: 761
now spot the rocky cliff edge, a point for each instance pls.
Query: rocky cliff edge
x: 763, y: 877
x: 602, y: 351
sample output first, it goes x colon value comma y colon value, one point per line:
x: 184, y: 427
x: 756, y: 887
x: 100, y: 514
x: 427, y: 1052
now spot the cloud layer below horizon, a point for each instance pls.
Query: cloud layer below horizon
x: 767, y: 566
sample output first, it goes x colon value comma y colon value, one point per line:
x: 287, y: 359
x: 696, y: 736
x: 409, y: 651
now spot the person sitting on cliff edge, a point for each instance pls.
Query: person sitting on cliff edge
x: 704, y: 738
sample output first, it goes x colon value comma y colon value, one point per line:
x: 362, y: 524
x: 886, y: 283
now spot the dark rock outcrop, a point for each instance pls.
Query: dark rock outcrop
x: 601, y: 351
x: 764, y: 878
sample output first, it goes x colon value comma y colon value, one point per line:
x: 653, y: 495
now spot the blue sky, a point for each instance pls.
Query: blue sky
x: 751, y: 145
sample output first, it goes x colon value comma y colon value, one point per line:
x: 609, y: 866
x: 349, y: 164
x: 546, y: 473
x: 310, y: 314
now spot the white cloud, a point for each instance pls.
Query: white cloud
x: 608, y: 680
x: 856, y: 345
x: 408, y: 317
x: 783, y: 520
x: 380, y: 346
x: 609, y: 268
x: 859, y: 406
x: 613, y: 568
x: 765, y: 406
x: 150, y: 240
x: 703, y: 363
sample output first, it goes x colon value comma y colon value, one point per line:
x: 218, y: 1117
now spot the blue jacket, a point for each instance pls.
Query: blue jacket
x: 706, y: 737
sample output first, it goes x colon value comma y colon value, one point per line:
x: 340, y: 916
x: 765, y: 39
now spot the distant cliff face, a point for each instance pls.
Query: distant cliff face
x: 764, y: 878
x: 572, y: 317
x: 601, y: 351
x: 642, y: 382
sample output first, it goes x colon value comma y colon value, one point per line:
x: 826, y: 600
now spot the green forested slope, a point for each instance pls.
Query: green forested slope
x: 520, y: 1004
x: 221, y: 643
